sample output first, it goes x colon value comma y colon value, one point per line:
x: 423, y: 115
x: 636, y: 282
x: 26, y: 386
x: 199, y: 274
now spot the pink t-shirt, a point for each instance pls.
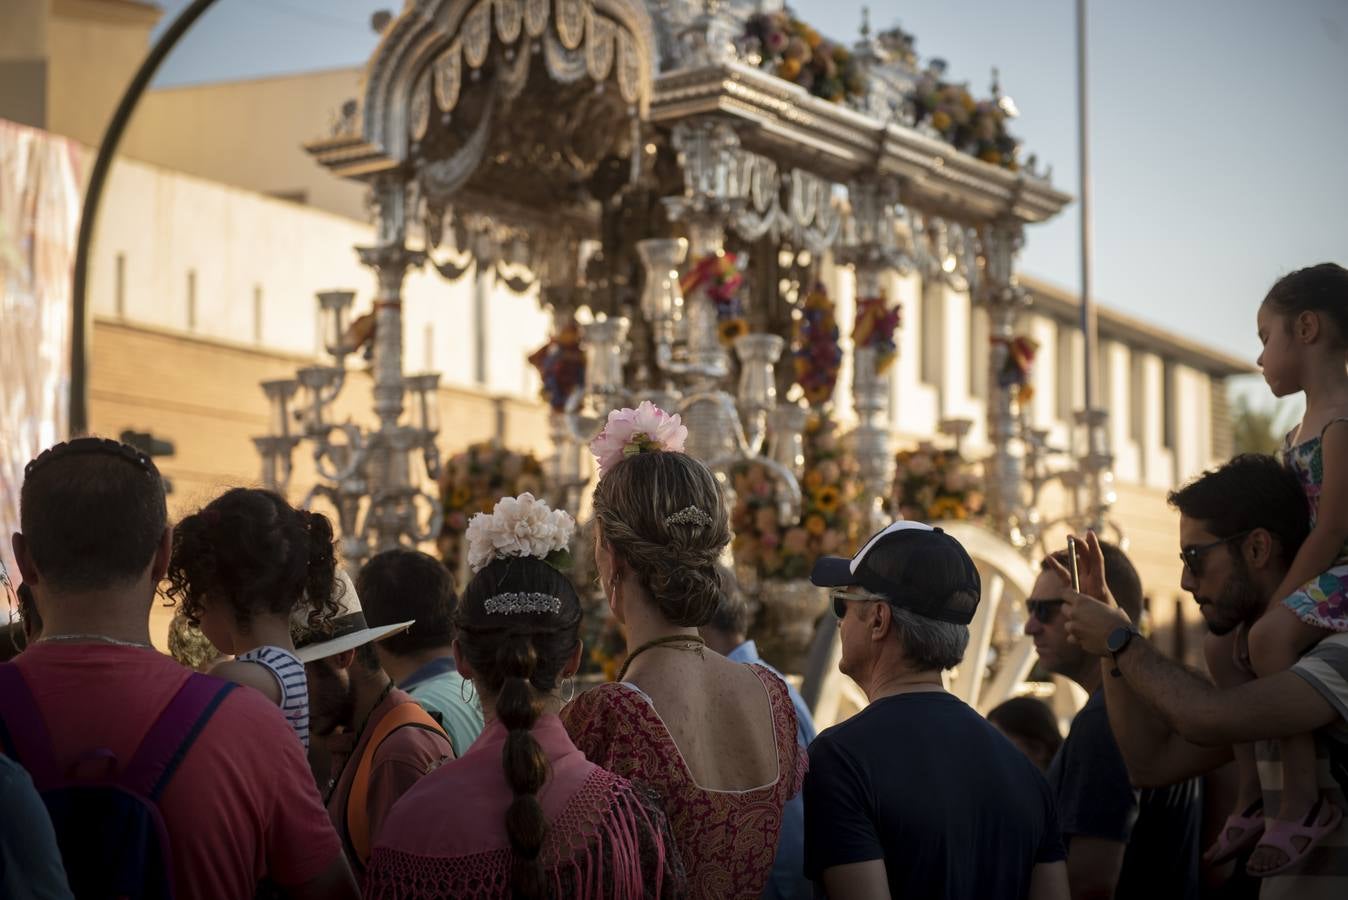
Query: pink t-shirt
x: 243, y: 804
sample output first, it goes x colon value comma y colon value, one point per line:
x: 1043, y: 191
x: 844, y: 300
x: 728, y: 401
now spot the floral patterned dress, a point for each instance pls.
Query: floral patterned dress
x: 1322, y: 602
x: 727, y: 839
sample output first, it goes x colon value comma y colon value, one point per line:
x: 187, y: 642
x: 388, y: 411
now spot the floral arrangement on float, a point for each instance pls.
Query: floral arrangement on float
x: 876, y: 322
x: 472, y: 481
x: 795, y: 52
x: 931, y: 484
x: 720, y: 276
x: 975, y: 127
x: 829, y: 523
x: 817, y: 356
x: 1018, y: 370
x: 561, y: 365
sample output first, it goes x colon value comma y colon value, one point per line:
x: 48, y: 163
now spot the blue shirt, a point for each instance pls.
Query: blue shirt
x: 787, y: 881
x: 440, y: 690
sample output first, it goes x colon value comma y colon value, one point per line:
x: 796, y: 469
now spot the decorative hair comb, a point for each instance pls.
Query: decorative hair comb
x: 689, y: 515
x: 646, y: 429
x: 512, y: 603
x: 519, y: 526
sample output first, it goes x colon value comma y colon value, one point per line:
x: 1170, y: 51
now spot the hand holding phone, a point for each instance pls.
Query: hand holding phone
x: 1072, y: 563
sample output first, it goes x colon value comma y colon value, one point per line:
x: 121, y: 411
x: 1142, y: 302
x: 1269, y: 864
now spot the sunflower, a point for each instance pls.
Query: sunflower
x: 813, y: 479
x: 815, y: 524
x: 827, y: 499
x: 459, y: 497
x: 946, y: 507
x: 730, y: 329
x: 940, y: 121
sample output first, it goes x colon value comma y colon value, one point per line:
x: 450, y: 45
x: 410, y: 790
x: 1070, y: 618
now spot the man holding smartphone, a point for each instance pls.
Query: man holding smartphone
x: 1120, y: 842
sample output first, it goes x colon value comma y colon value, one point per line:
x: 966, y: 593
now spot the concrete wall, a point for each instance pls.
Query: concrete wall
x: 23, y: 61
x: 250, y: 134
x: 94, y: 47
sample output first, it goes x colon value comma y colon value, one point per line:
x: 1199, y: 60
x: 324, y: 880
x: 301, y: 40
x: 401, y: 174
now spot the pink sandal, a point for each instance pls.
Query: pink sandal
x: 1279, y: 834
x: 1247, y: 826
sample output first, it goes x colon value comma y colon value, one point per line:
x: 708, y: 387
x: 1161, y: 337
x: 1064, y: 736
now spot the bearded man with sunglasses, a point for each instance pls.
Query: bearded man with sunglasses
x: 1240, y: 528
x: 917, y: 795
x: 1121, y: 842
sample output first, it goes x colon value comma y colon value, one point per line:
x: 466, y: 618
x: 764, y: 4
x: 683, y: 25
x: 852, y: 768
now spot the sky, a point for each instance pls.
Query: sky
x: 1218, y: 132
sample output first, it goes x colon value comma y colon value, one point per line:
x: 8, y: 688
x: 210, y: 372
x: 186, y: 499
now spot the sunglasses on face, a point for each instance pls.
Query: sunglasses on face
x: 1043, y: 610
x: 841, y: 598
x: 1192, y: 555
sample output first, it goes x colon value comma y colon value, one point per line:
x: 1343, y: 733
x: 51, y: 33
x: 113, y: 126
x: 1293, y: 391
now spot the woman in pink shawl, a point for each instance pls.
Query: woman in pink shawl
x: 522, y: 813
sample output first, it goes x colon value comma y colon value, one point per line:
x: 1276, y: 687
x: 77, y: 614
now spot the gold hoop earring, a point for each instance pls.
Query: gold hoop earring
x: 568, y: 689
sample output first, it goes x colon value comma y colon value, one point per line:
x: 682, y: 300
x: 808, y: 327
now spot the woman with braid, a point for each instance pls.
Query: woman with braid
x: 715, y: 739
x: 522, y: 814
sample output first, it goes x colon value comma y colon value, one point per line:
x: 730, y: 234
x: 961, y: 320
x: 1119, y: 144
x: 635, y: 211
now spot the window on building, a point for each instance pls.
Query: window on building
x: 932, y: 331
x: 191, y: 299
x: 257, y: 314
x: 119, y: 286
x: 1104, y: 391
x: 1137, y: 389
x: 979, y: 330
x: 1066, y: 372
x: 1168, y: 400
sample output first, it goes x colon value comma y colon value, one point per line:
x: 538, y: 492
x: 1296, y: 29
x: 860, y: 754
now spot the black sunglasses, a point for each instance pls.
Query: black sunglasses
x: 1043, y: 610
x: 840, y: 599
x: 1192, y: 556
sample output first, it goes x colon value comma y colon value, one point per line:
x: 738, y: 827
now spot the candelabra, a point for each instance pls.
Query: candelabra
x: 365, y: 474
x: 1089, y: 473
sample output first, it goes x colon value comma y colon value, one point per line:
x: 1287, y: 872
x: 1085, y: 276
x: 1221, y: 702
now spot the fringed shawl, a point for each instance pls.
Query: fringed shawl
x: 447, y: 836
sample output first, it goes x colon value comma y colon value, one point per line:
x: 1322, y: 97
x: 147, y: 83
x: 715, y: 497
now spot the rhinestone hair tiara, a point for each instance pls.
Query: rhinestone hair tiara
x: 515, y: 602
x: 689, y: 515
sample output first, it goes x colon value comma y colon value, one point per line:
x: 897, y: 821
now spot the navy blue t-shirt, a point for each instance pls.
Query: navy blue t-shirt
x: 1095, y: 796
x: 925, y: 783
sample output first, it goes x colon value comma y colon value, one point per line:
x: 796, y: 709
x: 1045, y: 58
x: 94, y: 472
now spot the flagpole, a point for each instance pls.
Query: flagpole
x: 1088, y: 323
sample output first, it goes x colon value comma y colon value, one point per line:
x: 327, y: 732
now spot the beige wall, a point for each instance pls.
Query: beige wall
x: 94, y: 49
x: 250, y: 134
x: 23, y: 61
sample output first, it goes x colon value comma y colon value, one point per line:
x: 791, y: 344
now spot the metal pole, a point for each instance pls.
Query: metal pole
x: 107, y: 148
x: 1088, y: 324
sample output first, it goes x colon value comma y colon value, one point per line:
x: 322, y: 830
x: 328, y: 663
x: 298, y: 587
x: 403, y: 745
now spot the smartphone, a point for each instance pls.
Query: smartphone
x: 1072, y: 563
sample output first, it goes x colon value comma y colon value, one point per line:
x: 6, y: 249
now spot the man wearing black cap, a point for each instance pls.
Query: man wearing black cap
x: 917, y: 795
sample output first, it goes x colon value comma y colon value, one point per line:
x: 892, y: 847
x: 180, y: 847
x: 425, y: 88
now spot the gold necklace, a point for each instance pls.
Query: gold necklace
x: 694, y: 641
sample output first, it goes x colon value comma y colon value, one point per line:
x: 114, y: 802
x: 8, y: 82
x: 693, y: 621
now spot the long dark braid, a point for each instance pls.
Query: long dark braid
x: 518, y: 659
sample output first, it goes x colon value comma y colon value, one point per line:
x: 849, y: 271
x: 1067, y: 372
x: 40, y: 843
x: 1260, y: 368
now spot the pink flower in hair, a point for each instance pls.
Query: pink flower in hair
x: 646, y: 429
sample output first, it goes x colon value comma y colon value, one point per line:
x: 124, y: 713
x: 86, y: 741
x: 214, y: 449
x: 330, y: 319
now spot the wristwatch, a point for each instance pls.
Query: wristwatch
x: 1117, y: 642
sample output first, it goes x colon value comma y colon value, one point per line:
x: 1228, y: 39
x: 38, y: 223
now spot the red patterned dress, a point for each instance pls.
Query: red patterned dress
x: 446, y: 837
x: 727, y: 839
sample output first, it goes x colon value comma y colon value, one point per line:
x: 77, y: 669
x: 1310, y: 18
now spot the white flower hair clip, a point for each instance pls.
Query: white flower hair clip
x: 519, y: 526
x: 646, y: 429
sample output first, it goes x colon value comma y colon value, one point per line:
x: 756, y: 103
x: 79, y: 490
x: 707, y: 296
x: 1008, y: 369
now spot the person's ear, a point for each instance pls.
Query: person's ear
x: 881, y: 620
x: 461, y: 661
x: 344, y: 659
x: 162, y: 554
x: 573, y: 662
x: 1308, y: 326
x: 1257, y: 548
x: 23, y: 559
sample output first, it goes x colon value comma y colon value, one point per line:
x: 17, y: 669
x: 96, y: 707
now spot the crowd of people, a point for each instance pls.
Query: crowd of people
x: 392, y: 737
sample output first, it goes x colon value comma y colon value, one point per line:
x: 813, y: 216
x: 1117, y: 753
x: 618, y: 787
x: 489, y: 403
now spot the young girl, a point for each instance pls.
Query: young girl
x: 1303, y: 325
x: 240, y: 568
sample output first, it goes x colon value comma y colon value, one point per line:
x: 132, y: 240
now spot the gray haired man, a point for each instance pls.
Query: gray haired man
x: 917, y: 795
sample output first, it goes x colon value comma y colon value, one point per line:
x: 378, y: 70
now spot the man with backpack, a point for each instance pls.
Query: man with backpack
x: 370, y: 741
x: 159, y: 782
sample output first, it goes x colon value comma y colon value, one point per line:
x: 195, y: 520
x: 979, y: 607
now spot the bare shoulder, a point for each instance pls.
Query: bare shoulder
x: 250, y: 674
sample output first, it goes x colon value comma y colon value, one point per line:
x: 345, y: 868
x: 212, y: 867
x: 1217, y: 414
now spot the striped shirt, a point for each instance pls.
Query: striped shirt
x: 1324, y: 874
x: 289, y: 674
